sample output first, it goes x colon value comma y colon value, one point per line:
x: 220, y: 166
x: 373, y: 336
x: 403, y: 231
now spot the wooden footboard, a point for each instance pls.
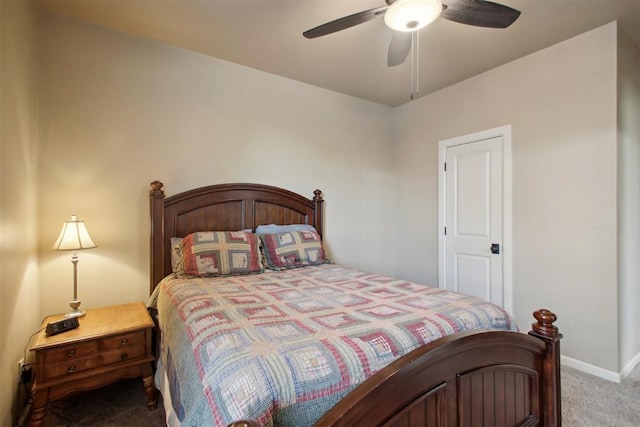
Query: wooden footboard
x: 475, y: 378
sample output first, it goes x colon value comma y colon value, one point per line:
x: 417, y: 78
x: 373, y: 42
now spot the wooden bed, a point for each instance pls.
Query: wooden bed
x: 478, y: 378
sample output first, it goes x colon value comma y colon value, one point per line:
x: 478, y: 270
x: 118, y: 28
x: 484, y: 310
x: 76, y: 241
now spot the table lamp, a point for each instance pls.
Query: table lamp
x: 74, y: 237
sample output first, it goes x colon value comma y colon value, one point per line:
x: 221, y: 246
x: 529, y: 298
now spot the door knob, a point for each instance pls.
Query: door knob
x: 495, y: 248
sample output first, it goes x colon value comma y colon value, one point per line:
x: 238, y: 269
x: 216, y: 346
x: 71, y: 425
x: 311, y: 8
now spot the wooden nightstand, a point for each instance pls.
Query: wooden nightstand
x: 111, y: 343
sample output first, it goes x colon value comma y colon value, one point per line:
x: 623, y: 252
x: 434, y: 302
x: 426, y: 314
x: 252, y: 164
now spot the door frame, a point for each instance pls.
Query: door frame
x: 507, y: 220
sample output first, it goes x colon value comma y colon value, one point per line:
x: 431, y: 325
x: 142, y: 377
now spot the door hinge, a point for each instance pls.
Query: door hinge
x: 445, y: 166
x: 445, y: 231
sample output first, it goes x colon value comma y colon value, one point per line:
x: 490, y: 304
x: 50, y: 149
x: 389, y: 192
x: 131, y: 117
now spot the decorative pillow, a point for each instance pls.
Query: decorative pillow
x: 273, y: 228
x: 219, y: 253
x: 292, y: 249
x: 176, y: 253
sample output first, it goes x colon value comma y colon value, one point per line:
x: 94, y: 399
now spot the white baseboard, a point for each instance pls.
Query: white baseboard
x: 26, y: 415
x: 630, y: 366
x: 590, y: 369
x: 600, y: 372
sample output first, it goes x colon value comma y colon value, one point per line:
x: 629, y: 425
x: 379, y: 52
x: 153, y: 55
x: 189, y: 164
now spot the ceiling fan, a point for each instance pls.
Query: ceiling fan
x: 408, y: 16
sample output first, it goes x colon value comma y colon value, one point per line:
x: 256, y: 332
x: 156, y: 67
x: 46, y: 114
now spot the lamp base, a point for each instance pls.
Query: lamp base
x: 76, y: 312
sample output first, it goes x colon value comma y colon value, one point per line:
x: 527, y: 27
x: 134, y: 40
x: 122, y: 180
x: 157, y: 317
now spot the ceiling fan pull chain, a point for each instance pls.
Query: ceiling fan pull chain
x: 415, y: 84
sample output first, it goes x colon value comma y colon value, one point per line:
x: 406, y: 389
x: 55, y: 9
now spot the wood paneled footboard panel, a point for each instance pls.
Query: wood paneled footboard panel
x: 502, y: 395
x: 493, y: 396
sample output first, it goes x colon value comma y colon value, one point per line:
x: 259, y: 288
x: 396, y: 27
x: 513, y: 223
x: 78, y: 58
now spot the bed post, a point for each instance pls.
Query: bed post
x: 318, y: 200
x: 545, y: 330
x: 156, y: 200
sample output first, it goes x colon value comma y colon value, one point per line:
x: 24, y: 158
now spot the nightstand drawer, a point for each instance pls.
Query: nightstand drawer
x: 71, y: 352
x: 124, y: 341
x: 71, y: 367
x: 123, y: 355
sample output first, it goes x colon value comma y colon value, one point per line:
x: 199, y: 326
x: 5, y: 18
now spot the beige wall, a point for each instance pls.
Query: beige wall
x: 629, y: 198
x: 19, y: 311
x: 119, y: 111
x: 561, y: 103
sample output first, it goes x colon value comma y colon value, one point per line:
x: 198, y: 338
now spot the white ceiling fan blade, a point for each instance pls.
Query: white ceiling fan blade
x: 398, y: 48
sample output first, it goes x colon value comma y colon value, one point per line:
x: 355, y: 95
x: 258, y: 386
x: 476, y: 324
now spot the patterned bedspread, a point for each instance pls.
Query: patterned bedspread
x: 283, y: 347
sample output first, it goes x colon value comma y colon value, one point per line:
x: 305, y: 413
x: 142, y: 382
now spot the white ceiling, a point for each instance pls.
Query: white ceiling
x: 267, y: 35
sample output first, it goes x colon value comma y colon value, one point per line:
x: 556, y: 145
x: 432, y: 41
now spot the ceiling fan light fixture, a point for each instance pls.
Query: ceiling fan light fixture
x: 412, y: 15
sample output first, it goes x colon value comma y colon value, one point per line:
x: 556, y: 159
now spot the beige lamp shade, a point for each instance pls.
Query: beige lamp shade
x: 74, y: 236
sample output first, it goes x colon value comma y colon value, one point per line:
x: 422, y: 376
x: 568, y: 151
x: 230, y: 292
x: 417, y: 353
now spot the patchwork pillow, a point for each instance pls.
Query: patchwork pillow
x: 219, y: 253
x: 176, y: 253
x: 292, y: 249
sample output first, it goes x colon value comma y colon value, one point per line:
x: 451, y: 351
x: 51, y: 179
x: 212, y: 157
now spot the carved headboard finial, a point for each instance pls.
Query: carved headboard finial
x: 317, y: 196
x: 156, y: 188
x: 544, y: 325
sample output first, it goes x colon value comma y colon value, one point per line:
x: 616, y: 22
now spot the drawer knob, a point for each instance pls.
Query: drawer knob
x: 124, y: 356
x: 125, y: 341
x: 71, y: 369
x: 72, y: 352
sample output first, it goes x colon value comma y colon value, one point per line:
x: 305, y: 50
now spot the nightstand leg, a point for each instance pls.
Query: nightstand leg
x: 150, y: 390
x: 39, y: 405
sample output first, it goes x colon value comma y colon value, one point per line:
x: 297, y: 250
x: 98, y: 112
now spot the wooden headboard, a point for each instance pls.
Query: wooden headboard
x: 223, y: 207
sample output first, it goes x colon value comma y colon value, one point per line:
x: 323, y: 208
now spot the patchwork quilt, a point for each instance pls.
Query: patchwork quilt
x: 283, y: 347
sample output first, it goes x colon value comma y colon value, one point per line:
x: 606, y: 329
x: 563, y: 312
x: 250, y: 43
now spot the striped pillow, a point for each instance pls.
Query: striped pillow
x: 219, y: 253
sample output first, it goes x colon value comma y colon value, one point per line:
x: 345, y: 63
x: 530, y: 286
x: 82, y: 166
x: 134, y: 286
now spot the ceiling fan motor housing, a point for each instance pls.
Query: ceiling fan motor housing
x: 412, y: 15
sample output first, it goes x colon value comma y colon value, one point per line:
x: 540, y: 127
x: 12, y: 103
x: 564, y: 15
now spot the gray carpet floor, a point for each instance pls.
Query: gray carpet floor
x: 123, y: 403
x: 587, y: 401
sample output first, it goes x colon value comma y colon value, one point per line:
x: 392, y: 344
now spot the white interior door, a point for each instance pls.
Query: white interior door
x: 472, y: 207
